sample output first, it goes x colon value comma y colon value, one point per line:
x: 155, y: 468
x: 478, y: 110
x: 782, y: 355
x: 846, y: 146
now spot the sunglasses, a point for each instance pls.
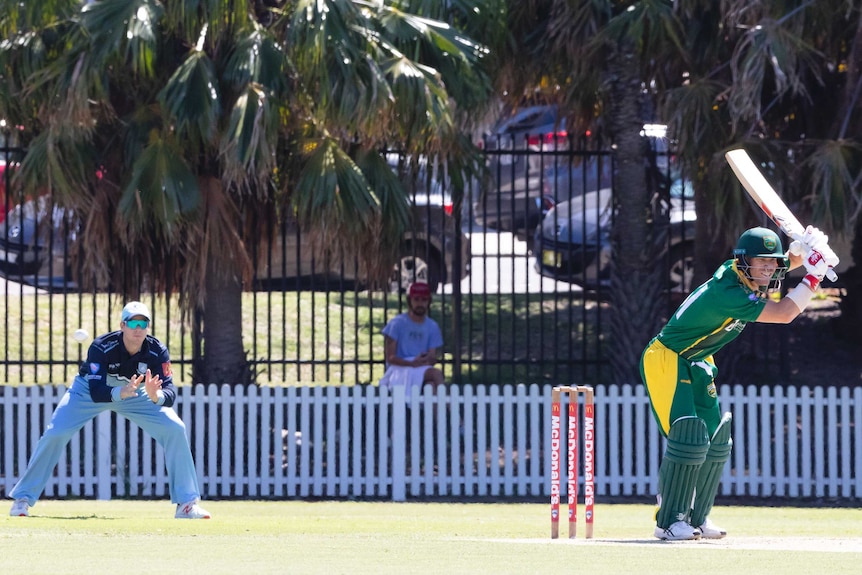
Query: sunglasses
x: 137, y: 323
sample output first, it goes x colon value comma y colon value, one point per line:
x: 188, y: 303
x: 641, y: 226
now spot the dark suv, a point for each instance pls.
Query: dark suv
x: 573, y: 243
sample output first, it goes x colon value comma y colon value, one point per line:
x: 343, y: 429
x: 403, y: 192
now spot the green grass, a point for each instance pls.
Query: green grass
x: 255, y: 537
x: 316, y: 337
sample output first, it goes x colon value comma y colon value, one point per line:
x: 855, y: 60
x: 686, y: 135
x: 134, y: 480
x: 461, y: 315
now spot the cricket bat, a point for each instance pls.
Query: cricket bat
x: 766, y: 197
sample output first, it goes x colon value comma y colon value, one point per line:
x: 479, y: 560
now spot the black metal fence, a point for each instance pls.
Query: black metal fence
x: 520, y: 271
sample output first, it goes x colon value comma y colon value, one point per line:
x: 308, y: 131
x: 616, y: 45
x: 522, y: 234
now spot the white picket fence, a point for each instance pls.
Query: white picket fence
x: 468, y: 442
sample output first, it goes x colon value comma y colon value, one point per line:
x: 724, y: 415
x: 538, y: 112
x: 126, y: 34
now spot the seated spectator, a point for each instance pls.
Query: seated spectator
x: 411, y: 343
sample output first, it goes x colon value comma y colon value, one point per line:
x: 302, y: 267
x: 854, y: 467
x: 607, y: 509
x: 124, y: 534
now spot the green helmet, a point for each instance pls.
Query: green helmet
x: 761, y: 243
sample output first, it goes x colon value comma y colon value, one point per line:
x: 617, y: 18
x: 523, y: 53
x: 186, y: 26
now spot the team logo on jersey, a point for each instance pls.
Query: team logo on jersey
x: 166, y: 368
x: 710, y: 390
x: 94, y: 368
x: 142, y: 367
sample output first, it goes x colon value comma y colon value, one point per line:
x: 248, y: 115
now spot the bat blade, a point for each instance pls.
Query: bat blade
x: 765, y: 196
x: 763, y: 193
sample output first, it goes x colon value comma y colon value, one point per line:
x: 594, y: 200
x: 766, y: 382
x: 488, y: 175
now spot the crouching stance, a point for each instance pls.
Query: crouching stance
x: 127, y: 371
x: 679, y: 371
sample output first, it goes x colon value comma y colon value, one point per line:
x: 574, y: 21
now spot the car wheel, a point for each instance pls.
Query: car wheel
x: 681, y: 268
x: 416, y: 264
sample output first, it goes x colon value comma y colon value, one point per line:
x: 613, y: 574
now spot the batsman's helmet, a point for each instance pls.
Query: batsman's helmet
x: 761, y: 243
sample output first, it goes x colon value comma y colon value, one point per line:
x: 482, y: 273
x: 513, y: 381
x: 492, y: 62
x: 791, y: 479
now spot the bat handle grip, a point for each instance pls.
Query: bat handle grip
x: 830, y: 275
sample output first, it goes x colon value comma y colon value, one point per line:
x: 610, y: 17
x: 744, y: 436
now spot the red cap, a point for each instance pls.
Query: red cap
x: 419, y: 289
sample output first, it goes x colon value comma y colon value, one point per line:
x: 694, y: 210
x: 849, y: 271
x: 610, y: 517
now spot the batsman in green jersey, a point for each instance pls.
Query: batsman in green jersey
x: 679, y: 372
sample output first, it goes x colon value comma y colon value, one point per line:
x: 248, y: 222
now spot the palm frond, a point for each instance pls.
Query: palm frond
x: 17, y: 17
x: 420, y: 97
x: 126, y: 27
x: 257, y: 58
x: 58, y: 162
x: 832, y: 168
x: 161, y: 190
x: 694, y: 117
x: 770, y: 58
x: 651, y: 26
x: 332, y: 193
x: 192, y: 98
x: 248, y: 143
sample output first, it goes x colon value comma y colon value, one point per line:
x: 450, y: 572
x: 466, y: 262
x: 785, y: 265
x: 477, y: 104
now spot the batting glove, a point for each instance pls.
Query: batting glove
x: 814, y: 239
x: 817, y: 263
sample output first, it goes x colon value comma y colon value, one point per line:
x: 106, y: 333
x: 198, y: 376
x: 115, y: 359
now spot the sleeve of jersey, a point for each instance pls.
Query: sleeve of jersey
x: 96, y: 375
x: 163, y: 368
x: 738, y: 304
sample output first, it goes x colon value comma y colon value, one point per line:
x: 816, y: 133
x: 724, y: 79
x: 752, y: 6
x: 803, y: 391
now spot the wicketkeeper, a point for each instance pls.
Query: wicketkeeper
x: 679, y: 372
x: 127, y: 371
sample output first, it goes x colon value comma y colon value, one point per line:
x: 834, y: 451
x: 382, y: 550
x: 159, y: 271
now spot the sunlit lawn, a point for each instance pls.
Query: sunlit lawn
x: 257, y: 537
x: 311, y: 337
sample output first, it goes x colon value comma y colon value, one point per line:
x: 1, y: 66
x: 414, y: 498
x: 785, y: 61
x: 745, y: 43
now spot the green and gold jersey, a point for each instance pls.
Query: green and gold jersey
x: 712, y: 316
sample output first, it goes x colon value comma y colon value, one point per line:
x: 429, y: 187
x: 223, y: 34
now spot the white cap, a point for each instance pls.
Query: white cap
x: 134, y: 308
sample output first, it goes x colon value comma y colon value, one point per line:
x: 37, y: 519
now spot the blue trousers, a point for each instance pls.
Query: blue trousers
x: 77, y: 408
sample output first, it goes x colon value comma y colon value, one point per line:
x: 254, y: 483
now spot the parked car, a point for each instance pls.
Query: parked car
x: 546, y: 166
x: 33, y: 241
x: 573, y: 243
x: 426, y: 252
x: 37, y: 252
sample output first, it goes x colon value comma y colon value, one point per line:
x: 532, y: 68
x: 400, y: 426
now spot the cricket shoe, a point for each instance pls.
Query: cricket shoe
x: 710, y: 530
x: 21, y: 508
x: 679, y: 531
x: 191, y: 510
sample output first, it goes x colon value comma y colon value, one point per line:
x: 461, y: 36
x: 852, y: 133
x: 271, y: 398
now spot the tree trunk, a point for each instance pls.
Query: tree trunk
x: 224, y: 359
x: 710, y: 248
x: 637, y: 278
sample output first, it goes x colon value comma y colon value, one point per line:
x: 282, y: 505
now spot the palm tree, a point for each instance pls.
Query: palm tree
x: 594, y: 59
x: 179, y: 131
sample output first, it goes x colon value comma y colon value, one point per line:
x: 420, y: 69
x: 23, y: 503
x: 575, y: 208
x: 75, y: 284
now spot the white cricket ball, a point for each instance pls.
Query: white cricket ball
x: 81, y: 335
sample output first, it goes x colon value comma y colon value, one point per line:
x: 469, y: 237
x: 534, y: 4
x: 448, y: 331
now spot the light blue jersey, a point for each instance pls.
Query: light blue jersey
x: 413, y: 338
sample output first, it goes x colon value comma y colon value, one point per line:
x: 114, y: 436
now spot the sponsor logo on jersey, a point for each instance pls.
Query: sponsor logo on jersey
x: 94, y: 368
x: 166, y: 368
